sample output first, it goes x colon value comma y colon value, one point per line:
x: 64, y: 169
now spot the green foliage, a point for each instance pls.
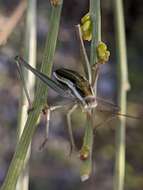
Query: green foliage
x: 17, y: 163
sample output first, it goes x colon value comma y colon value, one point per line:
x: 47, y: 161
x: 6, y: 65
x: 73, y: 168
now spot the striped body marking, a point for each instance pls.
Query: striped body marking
x: 78, y: 85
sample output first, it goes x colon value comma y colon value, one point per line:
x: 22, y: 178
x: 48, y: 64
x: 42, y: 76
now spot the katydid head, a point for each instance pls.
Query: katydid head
x: 90, y: 102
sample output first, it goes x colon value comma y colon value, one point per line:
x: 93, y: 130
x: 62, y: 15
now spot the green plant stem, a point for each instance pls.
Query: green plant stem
x: 86, y: 166
x: 85, y: 61
x: 95, y: 13
x: 123, y: 87
x: 18, y: 160
x: 30, y: 55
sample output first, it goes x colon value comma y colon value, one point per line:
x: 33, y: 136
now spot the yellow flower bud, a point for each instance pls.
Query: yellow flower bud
x: 102, y: 53
x: 86, y: 27
x: 85, y: 18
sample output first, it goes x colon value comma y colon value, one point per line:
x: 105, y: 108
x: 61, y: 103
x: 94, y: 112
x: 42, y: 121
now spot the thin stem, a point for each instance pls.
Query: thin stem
x: 17, y: 162
x: 30, y: 54
x: 85, y: 62
x: 95, y: 13
x: 10, y: 23
x: 123, y: 87
x: 86, y: 165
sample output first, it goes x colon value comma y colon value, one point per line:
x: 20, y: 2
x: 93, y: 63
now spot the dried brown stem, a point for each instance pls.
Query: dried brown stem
x: 10, y: 24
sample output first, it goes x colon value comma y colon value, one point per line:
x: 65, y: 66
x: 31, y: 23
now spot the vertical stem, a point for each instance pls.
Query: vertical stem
x: 85, y: 61
x: 17, y: 163
x: 30, y: 55
x: 95, y: 13
x: 86, y: 167
x: 123, y: 87
x: 96, y: 38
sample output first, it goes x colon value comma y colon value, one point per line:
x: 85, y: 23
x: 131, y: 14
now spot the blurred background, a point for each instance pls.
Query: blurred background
x: 52, y: 167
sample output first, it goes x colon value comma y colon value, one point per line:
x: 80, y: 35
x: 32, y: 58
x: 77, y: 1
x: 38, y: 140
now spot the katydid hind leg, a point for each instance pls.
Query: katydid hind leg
x: 19, y: 68
x: 44, y: 78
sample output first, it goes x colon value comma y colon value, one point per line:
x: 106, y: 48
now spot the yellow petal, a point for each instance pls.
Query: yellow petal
x: 85, y: 18
x: 86, y: 25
